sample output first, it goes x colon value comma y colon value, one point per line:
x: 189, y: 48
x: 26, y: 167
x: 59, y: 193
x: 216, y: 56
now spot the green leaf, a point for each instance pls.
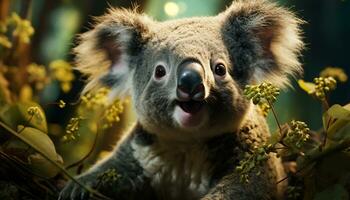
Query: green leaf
x: 347, y: 107
x: 16, y: 114
x: 307, y: 86
x: 42, y: 142
x: 10, y: 115
x: 338, y: 129
x: 335, y: 192
x: 40, y: 165
x: 38, y: 120
x: 325, y: 120
x: 341, y: 130
x: 339, y: 112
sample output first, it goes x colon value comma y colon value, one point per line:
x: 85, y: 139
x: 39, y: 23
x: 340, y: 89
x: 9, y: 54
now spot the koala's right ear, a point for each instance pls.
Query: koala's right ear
x: 104, y: 53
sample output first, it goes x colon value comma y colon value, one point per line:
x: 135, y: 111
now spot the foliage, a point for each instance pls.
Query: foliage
x: 322, y: 157
x: 263, y: 95
x: 32, y: 168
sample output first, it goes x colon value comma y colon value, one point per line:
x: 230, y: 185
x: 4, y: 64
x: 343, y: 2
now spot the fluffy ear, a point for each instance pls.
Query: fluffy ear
x: 104, y: 53
x: 264, y: 41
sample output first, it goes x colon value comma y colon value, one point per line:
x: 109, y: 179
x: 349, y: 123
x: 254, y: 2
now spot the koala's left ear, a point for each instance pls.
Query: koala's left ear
x: 263, y: 39
x: 104, y: 53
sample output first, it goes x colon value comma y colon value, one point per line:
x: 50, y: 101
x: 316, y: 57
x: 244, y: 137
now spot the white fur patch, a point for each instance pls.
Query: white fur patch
x: 177, y: 170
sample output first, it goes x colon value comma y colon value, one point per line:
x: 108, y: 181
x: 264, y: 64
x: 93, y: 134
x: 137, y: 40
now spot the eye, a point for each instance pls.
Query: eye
x: 160, y: 71
x: 220, y: 69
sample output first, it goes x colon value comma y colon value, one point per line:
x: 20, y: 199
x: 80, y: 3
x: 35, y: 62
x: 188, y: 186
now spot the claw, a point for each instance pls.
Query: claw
x: 64, y: 193
x: 84, y: 195
x: 74, y: 193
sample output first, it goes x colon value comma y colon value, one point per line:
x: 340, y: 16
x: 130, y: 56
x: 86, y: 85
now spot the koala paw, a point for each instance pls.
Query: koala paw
x: 73, y: 191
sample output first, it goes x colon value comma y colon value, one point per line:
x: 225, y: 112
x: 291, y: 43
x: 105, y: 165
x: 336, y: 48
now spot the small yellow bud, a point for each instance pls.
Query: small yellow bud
x: 33, y: 110
x: 61, y: 104
x: 72, y: 129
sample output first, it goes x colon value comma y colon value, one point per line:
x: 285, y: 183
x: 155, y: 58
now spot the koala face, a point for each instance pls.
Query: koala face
x: 183, y: 82
x: 186, y: 76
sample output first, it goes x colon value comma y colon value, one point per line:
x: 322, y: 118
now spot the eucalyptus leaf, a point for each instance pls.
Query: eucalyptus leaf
x: 41, y: 166
x: 339, y: 112
x: 325, y: 120
x: 10, y: 115
x: 335, y: 121
x: 43, y: 143
x: 16, y: 114
x: 340, y: 130
x: 38, y: 120
x: 38, y: 139
x: 307, y: 86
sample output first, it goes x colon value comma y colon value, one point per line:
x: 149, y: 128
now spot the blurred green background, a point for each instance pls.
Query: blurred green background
x: 326, y: 33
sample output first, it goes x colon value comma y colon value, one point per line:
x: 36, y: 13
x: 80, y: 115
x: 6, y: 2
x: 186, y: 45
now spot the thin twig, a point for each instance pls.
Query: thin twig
x: 326, y: 132
x: 325, y: 104
x: 88, y: 154
x: 317, y: 155
x: 275, y: 116
x: 26, y: 124
x: 297, y: 172
x: 277, y: 122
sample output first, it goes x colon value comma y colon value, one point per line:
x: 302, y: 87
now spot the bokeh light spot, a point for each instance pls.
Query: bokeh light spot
x: 171, y: 8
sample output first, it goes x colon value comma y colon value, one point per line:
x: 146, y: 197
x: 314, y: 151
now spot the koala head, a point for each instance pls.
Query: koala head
x: 186, y: 76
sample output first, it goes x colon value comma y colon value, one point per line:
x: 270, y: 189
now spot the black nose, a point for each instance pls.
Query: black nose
x: 190, y: 82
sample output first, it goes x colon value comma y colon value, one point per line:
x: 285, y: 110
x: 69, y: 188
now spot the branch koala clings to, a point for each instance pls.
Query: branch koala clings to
x: 186, y: 79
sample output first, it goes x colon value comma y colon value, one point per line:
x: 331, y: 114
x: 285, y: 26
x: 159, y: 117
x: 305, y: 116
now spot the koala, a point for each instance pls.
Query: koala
x: 186, y: 79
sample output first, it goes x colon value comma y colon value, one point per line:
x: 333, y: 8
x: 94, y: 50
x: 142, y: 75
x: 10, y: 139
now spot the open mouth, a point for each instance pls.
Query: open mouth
x: 191, y: 106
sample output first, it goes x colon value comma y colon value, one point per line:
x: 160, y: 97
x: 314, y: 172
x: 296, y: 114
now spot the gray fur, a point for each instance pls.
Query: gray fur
x: 162, y: 158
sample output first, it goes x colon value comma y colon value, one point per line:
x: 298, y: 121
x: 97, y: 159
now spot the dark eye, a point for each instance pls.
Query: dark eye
x: 220, y: 69
x: 160, y: 71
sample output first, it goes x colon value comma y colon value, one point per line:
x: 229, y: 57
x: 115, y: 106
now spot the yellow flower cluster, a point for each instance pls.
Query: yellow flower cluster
x: 262, y: 95
x: 33, y: 110
x: 297, y: 135
x: 99, y: 101
x: 335, y: 72
x: 63, y: 72
x: 72, y: 129
x: 264, y: 108
x: 23, y: 28
x: 112, y: 113
x: 3, y: 26
x: 95, y: 100
x: 37, y: 75
x: 251, y: 161
x: 5, y: 42
x: 324, y: 86
x: 264, y: 92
